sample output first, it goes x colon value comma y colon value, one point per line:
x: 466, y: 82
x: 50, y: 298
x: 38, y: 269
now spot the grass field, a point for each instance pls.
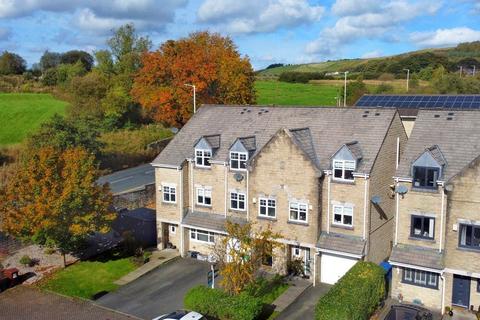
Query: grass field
x: 22, y: 113
x: 87, y: 278
x: 282, y: 93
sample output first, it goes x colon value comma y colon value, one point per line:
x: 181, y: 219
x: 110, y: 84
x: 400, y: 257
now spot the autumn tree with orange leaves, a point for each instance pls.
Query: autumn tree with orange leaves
x: 53, y: 199
x: 208, y: 61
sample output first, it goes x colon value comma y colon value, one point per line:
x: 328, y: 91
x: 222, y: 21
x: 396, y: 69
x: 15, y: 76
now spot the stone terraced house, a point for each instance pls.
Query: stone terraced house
x: 436, y: 252
x: 320, y: 176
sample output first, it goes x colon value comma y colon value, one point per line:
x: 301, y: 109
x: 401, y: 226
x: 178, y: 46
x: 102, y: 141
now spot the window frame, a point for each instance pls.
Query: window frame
x: 342, y: 224
x: 421, y: 236
x: 204, y: 196
x: 205, y: 162
x: 210, y: 236
x: 298, y: 205
x: 343, y: 169
x: 434, y: 187
x: 478, y: 285
x: 465, y: 246
x: 420, y: 278
x: 238, y: 160
x: 238, y: 194
x: 169, y: 193
x: 267, y: 207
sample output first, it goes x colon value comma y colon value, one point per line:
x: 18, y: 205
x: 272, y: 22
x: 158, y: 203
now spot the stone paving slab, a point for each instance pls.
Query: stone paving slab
x: 296, y: 288
x: 158, y: 258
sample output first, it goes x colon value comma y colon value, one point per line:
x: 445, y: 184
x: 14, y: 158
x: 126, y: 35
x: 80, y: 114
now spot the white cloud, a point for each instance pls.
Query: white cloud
x: 98, y: 14
x: 445, y: 37
x: 379, y: 20
x: 4, y: 34
x: 250, y: 16
x: 372, y: 54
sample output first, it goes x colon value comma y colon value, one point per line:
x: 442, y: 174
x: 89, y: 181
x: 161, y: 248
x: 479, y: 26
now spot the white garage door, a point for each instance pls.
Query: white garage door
x: 333, y: 267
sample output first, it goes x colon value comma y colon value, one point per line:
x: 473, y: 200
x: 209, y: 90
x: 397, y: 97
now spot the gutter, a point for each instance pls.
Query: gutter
x: 341, y: 253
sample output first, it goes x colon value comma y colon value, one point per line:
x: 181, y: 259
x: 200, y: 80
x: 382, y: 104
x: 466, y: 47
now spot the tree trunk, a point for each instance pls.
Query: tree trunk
x: 64, y: 260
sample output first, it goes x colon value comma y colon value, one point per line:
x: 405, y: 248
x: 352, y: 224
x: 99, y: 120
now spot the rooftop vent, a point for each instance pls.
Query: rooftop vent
x: 365, y: 115
x: 451, y: 113
x: 377, y: 114
x: 449, y: 118
x: 436, y: 116
x: 367, y: 111
x: 249, y: 110
x: 242, y: 112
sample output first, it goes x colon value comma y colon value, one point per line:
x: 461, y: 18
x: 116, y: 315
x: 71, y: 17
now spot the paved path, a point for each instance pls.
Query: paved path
x: 297, y: 287
x: 304, y: 306
x: 27, y: 303
x: 160, y: 291
x: 158, y: 258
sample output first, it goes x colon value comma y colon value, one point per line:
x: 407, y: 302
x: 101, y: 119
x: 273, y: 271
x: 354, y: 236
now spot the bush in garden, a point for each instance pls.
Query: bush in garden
x: 355, y: 296
x: 218, y: 304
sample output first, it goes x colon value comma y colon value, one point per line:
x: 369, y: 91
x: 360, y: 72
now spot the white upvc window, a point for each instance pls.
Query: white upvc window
x: 204, y: 196
x: 202, y: 157
x: 173, y: 229
x: 237, y: 201
x: 298, y: 212
x: 296, y: 252
x: 343, y: 215
x: 238, y: 160
x: 202, y: 236
x: 343, y: 170
x: 169, y: 192
x: 267, y: 207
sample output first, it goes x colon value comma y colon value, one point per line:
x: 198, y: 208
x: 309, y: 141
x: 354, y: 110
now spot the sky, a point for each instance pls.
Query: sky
x: 268, y: 31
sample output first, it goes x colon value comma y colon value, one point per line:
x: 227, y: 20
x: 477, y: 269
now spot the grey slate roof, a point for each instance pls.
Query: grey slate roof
x: 213, y: 140
x: 330, y: 128
x: 303, y: 138
x: 417, y: 256
x: 342, y: 243
x: 457, y: 138
x: 437, y: 155
x: 249, y: 143
x: 129, y: 180
x: 355, y: 149
x: 210, y: 221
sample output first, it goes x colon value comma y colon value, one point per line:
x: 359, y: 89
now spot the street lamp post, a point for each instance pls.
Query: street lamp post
x: 194, y: 96
x: 408, y: 76
x: 345, y: 90
x: 474, y: 67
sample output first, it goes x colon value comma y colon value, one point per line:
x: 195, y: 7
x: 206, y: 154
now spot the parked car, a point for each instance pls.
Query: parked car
x: 408, y: 312
x: 8, y: 278
x: 181, y: 315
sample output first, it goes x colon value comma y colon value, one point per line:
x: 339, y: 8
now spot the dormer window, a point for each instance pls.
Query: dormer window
x: 345, y: 160
x: 425, y: 177
x: 238, y: 160
x: 202, y: 157
x: 427, y: 168
x: 343, y: 169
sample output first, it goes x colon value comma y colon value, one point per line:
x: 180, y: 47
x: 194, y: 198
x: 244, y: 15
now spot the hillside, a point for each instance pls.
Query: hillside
x: 465, y: 54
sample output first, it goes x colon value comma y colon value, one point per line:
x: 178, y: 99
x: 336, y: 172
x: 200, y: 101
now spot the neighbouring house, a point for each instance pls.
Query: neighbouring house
x: 436, y: 253
x: 319, y: 176
x: 132, y: 188
x: 408, y: 105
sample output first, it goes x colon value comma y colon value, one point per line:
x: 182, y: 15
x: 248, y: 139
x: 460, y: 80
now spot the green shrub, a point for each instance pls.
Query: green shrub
x: 217, y: 304
x: 26, y: 260
x: 355, y: 296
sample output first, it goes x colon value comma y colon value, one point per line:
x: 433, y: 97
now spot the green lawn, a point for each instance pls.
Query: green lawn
x: 283, y: 93
x: 87, y: 278
x: 22, y: 113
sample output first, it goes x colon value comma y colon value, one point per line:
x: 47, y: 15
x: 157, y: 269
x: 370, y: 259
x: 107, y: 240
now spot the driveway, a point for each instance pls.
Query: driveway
x: 27, y: 303
x: 159, y: 291
x: 304, y: 306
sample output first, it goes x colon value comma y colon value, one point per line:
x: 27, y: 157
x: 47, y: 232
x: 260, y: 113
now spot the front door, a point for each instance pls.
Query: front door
x: 461, y: 291
x: 166, y: 233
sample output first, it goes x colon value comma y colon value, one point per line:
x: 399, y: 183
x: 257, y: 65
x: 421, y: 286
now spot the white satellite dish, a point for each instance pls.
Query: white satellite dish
x: 401, y: 189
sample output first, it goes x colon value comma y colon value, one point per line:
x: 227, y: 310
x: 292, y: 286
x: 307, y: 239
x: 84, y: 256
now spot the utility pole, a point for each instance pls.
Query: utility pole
x: 345, y: 90
x: 461, y: 69
x: 194, y: 96
x: 474, y: 70
x: 408, y: 76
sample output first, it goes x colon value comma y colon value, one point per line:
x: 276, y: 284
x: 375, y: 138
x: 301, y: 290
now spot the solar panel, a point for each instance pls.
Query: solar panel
x: 420, y: 101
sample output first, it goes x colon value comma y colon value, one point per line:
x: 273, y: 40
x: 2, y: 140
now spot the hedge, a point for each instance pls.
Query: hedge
x: 217, y: 304
x: 355, y: 296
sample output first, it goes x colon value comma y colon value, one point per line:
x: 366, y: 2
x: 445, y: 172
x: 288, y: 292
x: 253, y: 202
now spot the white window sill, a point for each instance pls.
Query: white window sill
x: 203, y: 205
x: 299, y: 222
x: 344, y: 181
x: 169, y: 202
x: 342, y: 226
x: 238, y: 210
x: 267, y: 218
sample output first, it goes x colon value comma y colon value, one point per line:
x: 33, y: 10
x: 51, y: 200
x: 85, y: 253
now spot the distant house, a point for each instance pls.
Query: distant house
x: 132, y: 188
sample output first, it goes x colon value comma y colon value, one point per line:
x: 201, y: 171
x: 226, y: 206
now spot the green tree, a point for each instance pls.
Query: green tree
x: 49, y: 60
x: 12, y: 63
x: 53, y: 199
x: 74, y: 56
x: 355, y: 89
x: 66, y: 72
x: 62, y: 134
x: 88, y: 93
